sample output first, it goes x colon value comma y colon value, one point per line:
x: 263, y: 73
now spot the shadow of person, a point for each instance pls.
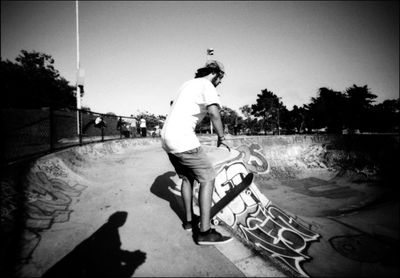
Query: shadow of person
x: 100, y: 255
x: 160, y: 189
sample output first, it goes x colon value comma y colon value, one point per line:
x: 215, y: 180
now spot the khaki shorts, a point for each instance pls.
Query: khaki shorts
x: 193, y: 164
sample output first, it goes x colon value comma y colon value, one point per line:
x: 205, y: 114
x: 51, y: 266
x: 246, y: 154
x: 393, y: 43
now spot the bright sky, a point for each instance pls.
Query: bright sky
x: 136, y: 54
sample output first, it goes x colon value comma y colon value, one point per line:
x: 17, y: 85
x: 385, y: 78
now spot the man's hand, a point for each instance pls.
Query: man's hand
x: 221, y: 141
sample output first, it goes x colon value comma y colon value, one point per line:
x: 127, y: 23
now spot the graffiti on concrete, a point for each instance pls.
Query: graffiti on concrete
x: 254, y: 158
x: 313, y: 156
x: 262, y: 224
x: 52, y: 167
x: 46, y: 201
x: 280, y: 235
x: 299, y: 139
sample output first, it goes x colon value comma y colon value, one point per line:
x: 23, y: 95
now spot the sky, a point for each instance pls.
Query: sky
x: 136, y: 54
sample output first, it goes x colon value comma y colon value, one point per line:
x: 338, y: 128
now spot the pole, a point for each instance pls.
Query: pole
x: 78, y: 89
x: 279, y: 128
x: 78, y: 96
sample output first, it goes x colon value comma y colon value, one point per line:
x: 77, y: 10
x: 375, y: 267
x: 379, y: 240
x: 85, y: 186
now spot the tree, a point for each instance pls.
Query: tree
x: 296, y: 121
x: 386, y: 116
x: 86, y: 108
x: 230, y: 118
x: 359, y: 107
x: 248, y: 124
x: 204, y: 125
x: 270, y: 109
x: 328, y: 110
x: 111, y: 115
x: 33, y: 82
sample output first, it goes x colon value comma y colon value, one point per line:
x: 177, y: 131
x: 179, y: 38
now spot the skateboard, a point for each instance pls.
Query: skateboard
x: 233, y: 192
x: 233, y: 184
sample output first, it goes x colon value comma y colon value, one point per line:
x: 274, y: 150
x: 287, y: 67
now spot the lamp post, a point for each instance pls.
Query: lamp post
x: 278, y: 111
x: 78, y: 89
x: 79, y: 77
x: 279, y: 128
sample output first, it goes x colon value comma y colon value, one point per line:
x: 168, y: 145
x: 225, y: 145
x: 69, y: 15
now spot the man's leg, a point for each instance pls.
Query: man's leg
x: 186, y: 191
x: 208, y: 235
x: 205, y: 200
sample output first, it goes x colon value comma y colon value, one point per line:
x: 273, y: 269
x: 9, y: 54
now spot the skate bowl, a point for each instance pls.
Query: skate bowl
x: 330, y: 209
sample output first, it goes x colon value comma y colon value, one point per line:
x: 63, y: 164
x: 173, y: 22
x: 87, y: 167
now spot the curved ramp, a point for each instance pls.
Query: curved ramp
x: 327, y: 210
x: 330, y: 208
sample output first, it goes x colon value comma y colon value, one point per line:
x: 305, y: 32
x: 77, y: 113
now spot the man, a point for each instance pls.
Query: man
x: 99, y: 122
x: 132, y: 126
x: 143, y: 127
x: 195, y: 99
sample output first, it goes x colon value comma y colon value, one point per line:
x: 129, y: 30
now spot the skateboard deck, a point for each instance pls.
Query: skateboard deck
x: 231, y: 194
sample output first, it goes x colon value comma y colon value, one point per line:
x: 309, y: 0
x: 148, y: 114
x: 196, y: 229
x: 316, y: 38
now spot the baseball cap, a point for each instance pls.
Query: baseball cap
x: 215, y: 64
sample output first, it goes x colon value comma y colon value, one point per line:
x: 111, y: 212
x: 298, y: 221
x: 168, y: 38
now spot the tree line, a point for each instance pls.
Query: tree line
x: 33, y: 82
x: 351, y: 111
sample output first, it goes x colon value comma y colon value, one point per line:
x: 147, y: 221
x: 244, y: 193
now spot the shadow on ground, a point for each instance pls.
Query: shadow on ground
x: 160, y: 189
x: 100, y: 255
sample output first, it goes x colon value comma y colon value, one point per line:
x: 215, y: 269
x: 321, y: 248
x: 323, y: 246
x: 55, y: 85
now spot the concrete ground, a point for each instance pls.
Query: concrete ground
x: 136, y: 182
x: 107, y: 207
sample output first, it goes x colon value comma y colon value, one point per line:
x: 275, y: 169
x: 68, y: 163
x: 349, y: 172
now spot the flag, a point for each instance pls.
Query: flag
x: 210, y: 51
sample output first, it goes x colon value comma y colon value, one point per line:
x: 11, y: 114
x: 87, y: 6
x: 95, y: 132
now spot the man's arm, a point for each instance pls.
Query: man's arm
x: 215, y: 116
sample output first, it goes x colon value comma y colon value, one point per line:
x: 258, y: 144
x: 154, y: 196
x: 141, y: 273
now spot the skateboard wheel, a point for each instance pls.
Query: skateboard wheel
x: 248, y: 192
x: 215, y: 222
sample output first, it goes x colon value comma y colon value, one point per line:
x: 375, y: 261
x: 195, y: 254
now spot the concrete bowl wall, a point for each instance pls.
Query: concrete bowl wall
x: 371, y: 156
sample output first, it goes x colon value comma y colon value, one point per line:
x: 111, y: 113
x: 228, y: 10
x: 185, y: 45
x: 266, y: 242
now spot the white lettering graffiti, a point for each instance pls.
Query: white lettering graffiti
x: 259, y: 222
x: 254, y: 158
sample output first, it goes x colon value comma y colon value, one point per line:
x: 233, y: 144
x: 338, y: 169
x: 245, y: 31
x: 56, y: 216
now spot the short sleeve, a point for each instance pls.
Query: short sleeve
x: 210, y: 95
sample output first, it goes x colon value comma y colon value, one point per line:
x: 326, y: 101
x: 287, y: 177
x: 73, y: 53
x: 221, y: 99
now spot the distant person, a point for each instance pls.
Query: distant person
x: 236, y: 126
x: 195, y: 99
x: 143, y: 127
x: 100, y: 123
x: 121, y: 126
x: 132, y: 126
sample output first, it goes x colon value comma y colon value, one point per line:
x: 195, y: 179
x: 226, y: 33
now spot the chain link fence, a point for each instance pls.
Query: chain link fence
x: 33, y: 132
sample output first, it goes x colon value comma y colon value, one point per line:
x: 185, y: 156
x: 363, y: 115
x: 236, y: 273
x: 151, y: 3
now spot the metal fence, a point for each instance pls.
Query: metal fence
x: 33, y: 132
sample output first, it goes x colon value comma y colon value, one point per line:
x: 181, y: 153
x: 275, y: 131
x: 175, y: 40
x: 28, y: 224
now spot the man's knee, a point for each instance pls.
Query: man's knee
x: 207, y: 184
x: 187, y: 181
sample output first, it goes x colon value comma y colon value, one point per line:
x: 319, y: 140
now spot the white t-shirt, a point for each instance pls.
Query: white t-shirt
x: 132, y: 122
x: 142, y: 123
x: 189, y: 108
